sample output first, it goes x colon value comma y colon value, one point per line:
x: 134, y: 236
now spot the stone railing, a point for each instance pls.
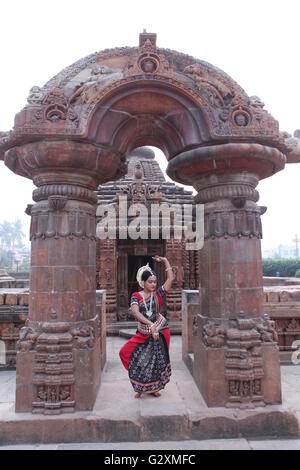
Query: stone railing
x: 13, y: 297
x: 281, y: 304
x: 13, y: 315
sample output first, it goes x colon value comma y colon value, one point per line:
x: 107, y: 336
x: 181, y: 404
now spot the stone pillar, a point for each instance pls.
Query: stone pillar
x: 122, y: 283
x: 101, y: 310
x: 190, y: 309
x: 58, y: 362
x: 236, y: 360
x: 107, y: 275
x: 174, y: 253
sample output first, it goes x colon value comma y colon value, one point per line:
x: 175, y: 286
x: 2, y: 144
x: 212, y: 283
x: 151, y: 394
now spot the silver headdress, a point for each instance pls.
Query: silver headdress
x: 140, y: 273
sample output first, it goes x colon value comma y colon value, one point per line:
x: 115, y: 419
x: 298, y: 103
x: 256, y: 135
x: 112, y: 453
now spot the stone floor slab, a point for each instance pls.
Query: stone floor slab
x: 278, y: 444
x: 214, y: 444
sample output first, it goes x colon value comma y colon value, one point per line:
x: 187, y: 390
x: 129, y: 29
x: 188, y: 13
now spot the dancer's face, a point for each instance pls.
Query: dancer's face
x: 150, y: 284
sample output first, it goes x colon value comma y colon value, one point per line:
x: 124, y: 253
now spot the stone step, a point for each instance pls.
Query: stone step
x: 153, y: 420
x: 180, y: 413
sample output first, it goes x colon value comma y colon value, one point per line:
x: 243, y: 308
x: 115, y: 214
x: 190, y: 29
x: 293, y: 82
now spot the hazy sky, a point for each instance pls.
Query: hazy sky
x: 256, y: 43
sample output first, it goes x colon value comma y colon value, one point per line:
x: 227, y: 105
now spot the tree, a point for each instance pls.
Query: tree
x: 6, y: 233
x: 17, y: 233
x: 11, y: 233
x: 6, y: 259
x: 2, y: 235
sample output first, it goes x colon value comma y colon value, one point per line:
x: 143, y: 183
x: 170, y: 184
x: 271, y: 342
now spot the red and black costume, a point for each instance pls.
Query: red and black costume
x: 146, y: 360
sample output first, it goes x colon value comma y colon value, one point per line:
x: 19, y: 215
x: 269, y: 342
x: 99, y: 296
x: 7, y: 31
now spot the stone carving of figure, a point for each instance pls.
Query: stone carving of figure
x: 41, y: 393
x: 65, y: 393
x: 139, y: 192
x: 138, y: 172
x: 154, y: 193
x: 27, y: 338
x: 293, y: 325
x: 195, y: 70
x: 107, y: 275
x: 241, y: 120
x: 55, y: 96
x: 213, y: 335
x: 102, y: 74
x: 245, y: 389
x: 100, y: 77
x: 292, y: 145
x: 267, y: 330
x: 257, y: 387
x: 84, y: 337
x: 234, y: 388
x: 35, y: 96
x: 216, y: 92
x: 4, y: 137
x: 256, y: 102
x: 195, y: 326
x: 52, y: 395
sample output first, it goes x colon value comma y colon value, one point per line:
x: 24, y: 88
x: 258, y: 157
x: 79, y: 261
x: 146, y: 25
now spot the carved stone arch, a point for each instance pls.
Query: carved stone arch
x: 152, y: 112
x: 72, y: 136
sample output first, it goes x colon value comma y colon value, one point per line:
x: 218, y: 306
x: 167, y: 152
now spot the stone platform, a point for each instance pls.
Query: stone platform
x: 180, y: 413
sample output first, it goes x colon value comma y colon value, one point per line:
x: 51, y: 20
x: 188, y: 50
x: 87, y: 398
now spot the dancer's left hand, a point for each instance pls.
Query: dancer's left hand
x: 159, y: 259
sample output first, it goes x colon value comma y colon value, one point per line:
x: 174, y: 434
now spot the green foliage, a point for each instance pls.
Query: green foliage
x: 297, y: 273
x: 286, y: 267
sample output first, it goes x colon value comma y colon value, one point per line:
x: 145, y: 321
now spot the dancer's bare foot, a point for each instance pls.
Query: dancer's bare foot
x: 156, y: 394
x: 137, y: 395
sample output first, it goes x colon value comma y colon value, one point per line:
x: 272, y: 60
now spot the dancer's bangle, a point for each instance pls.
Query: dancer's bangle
x: 168, y: 269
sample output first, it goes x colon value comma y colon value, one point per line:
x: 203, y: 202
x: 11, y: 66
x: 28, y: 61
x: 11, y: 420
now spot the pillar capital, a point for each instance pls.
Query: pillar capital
x: 65, y: 162
x: 192, y: 166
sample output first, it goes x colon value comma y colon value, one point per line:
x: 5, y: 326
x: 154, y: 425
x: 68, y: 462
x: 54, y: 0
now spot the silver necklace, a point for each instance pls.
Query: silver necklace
x: 148, y: 311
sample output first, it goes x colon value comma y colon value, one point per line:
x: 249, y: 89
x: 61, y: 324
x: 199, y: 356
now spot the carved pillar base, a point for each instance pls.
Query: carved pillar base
x: 62, y: 371
x: 236, y: 362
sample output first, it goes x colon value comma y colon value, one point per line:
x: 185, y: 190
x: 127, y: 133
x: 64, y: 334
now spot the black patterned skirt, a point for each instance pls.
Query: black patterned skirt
x: 149, y: 367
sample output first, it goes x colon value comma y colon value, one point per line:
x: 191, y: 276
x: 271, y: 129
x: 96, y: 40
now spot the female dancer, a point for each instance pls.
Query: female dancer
x: 146, y: 355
